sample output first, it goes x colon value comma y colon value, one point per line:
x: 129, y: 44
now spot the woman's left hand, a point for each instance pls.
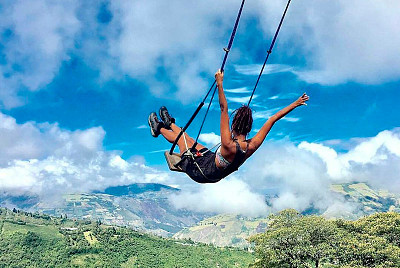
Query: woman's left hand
x: 302, y: 100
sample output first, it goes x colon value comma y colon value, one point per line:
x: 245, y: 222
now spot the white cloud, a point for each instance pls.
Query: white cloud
x: 175, y: 37
x: 242, y: 100
x: 227, y: 196
x: 346, y: 210
x: 167, y: 45
x: 264, y: 114
x: 49, y: 161
x: 374, y: 151
x: 291, y: 119
x: 254, y: 69
x: 36, y: 141
x: 335, y: 167
x: 291, y: 96
x: 40, y: 34
x: 301, y: 175
x: 238, y: 90
x: 159, y: 151
x: 210, y: 139
x: 342, y: 40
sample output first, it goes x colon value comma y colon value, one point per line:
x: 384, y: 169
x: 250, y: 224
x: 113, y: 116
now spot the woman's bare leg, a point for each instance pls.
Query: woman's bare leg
x: 171, y: 135
x: 175, y: 128
x: 189, y: 139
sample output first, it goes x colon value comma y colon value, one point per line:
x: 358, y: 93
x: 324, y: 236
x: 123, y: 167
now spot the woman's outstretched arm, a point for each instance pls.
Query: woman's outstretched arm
x: 259, y: 138
x: 223, y: 104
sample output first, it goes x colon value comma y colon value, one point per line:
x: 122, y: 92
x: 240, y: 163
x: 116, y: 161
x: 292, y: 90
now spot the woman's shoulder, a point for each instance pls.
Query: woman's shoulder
x: 250, y: 147
x: 229, y: 146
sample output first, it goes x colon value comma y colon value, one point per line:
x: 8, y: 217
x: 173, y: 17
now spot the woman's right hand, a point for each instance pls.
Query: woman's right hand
x: 219, y: 77
x: 302, y: 100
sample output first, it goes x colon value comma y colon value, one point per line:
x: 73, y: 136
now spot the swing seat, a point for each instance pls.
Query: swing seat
x: 172, y: 160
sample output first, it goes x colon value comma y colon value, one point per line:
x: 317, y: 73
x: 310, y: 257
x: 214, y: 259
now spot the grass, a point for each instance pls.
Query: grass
x: 90, y: 237
x: 47, y: 231
x: 41, y: 241
x: 364, y: 190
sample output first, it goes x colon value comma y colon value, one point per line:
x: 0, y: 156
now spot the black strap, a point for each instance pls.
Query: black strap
x: 269, y: 50
x: 189, y: 154
x: 205, y: 116
x: 171, y: 151
x: 239, y: 159
x: 227, y: 50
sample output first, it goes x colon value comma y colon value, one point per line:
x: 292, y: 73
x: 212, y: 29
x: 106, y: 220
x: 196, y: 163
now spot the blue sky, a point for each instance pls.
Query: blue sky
x: 106, y: 65
x: 334, y: 112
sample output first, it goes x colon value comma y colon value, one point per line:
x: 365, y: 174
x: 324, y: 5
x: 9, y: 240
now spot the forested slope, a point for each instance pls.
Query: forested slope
x: 294, y: 240
x: 33, y: 240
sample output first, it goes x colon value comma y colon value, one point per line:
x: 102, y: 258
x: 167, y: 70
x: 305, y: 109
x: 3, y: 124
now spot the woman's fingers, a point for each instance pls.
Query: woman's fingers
x: 219, y: 74
x: 304, y: 98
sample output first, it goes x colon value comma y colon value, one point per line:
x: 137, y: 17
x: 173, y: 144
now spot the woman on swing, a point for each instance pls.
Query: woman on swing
x: 235, y: 149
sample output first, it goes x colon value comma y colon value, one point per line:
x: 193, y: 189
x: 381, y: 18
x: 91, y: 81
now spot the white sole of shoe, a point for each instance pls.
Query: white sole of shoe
x: 151, y: 128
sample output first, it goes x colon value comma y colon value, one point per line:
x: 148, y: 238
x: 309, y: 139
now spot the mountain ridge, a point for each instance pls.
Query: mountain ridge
x: 146, y: 207
x: 141, y: 206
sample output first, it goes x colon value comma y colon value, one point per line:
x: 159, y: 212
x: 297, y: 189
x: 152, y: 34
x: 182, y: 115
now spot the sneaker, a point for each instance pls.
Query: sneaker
x: 155, y: 124
x: 166, y: 117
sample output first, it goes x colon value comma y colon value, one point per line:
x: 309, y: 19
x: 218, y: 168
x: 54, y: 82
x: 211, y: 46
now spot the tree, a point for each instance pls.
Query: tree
x: 385, y: 225
x: 292, y: 240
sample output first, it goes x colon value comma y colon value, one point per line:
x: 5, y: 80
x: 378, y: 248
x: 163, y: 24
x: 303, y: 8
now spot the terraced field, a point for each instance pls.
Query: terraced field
x: 225, y: 230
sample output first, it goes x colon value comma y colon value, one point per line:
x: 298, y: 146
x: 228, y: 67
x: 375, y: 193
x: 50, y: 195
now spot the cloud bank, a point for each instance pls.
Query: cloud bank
x: 345, y: 41
x: 228, y: 196
x: 174, y: 47
x: 300, y: 176
x: 210, y: 139
x: 36, y: 38
x: 45, y: 160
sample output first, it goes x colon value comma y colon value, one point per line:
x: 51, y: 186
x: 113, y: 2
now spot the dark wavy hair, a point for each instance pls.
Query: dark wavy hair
x: 243, y: 120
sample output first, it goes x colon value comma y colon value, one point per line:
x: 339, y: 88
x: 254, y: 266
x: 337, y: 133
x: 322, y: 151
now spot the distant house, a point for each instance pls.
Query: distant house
x: 69, y: 228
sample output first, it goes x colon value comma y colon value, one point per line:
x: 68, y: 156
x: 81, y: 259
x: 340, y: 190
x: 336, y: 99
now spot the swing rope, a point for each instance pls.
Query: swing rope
x: 269, y: 51
x: 213, y: 86
x: 205, y: 116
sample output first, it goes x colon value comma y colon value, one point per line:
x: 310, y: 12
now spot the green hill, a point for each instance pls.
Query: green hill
x: 233, y: 230
x: 369, y: 200
x: 36, y: 240
x: 143, y: 207
x: 224, y: 230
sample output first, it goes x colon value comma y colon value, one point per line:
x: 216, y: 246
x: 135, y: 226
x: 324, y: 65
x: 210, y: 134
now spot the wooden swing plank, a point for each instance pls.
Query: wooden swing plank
x: 172, y: 160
